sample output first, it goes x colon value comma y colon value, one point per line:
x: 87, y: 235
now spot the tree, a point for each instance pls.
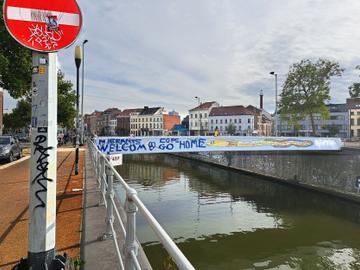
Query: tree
x: 21, y: 115
x: 333, y: 130
x: 354, y: 89
x: 306, y: 89
x: 15, y: 63
x: 19, y: 118
x: 66, y: 102
x: 230, y: 129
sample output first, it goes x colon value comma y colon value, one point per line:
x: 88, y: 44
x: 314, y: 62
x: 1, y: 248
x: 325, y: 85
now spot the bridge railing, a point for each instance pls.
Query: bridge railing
x: 127, y: 257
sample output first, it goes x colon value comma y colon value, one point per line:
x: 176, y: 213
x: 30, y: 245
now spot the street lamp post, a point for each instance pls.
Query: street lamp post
x: 199, y: 102
x: 77, y: 64
x: 276, y: 103
x: 82, y: 90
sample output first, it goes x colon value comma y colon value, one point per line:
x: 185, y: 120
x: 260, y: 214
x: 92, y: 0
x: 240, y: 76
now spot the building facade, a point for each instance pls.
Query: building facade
x: 232, y: 120
x: 336, y: 126
x: 199, y: 118
x: 153, y: 122
x: 353, y: 105
x: 123, y: 121
x: 109, y: 122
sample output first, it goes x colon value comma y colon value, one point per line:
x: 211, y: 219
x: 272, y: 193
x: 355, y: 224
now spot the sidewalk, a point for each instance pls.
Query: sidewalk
x: 14, y: 202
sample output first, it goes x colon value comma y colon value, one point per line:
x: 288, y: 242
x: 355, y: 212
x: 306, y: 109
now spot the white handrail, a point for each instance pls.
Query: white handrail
x: 179, y: 258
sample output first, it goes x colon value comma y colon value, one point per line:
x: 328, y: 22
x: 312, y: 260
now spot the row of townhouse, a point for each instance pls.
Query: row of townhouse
x: 209, y: 117
x: 145, y: 121
x: 344, y: 122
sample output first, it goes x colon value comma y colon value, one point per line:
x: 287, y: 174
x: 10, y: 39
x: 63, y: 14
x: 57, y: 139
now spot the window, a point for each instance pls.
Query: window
x: 195, y: 124
x: 150, y: 125
x: 216, y: 121
x: 333, y: 117
x: 195, y: 115
x: 225, y: 121
x: 212, y: 121
x: 220, y: 121
x: 351, y: 122
x: 205, y: 115
x: 200, y: 115
x: 358, y: 121
x: 191, y: 115
x: 239, y: 121
x: 352, y: 113
x: 235, y: 121
x: 230, y: 120
x: 358, y: 113
x: 248, y: 120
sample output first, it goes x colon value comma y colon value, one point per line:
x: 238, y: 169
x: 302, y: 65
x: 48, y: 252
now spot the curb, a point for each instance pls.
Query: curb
x: 14, y: 163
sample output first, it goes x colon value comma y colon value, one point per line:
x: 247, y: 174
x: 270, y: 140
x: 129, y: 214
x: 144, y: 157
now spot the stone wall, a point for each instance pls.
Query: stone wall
x: 334, y: 172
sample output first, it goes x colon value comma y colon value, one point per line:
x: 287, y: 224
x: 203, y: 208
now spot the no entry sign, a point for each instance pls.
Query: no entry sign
x: 43, y: 25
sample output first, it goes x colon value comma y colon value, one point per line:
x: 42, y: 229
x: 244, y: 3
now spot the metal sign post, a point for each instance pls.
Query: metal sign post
x: 42, y: 208
x: 45, y: 27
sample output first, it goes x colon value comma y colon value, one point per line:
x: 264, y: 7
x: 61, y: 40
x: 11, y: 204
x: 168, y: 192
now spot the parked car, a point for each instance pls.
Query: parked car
x: 10, y: 148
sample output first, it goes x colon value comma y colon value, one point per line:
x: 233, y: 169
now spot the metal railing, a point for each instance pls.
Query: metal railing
x: 127, y: 257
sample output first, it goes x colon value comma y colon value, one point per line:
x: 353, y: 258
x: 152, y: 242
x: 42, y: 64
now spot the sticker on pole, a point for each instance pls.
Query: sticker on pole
x: 43, y: 25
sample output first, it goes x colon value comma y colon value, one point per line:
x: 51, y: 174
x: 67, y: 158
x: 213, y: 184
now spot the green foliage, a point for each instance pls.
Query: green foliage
x: 21, y: 115
x: 78, y: 263
x: 306, y: 89
x: 66, y: 102
x: 354, y: 89
x: 15, y: 63
x: 230, y: 129
x: 333, y: 130
x: 19, y: 118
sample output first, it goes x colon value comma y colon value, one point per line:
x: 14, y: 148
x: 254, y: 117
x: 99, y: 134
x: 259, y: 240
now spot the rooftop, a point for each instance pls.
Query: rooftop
x: 231, y: 110
x: 127, y: 112
x: 337, y: 107
x: 204, y: 106
x: 149, y: 111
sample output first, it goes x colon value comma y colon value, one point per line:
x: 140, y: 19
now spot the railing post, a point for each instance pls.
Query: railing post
x: 130, y: 242
x: 101, y: 179
x: 109, y: 206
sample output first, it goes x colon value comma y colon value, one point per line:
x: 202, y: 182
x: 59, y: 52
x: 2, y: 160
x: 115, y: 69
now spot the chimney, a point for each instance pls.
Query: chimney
x: 146, y: 107
x: 261, y: 100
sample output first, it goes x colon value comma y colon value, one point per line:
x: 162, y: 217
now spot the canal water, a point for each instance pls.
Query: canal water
x: 222, y: 219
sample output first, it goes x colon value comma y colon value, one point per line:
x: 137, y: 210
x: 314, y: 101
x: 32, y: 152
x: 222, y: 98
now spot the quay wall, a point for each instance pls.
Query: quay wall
x: 334, y: 173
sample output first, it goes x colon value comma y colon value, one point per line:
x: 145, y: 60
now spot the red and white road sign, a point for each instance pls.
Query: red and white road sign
x: 43, y: 25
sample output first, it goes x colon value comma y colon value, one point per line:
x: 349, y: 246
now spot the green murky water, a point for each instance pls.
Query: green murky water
x: 226, y: 220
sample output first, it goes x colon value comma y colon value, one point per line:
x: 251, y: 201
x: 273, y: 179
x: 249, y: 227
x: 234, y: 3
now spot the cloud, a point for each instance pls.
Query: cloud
x: 164, y: 53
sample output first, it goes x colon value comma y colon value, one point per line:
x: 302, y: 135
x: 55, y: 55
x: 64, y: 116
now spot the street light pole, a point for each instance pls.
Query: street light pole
x: 77, y: 64
x: 276, y: 103
x: 82, y: 91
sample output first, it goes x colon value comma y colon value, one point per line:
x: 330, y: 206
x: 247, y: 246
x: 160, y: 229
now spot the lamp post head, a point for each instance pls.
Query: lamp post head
x: 85, y: 41
x: 272, y: 73
x: 78, y: 56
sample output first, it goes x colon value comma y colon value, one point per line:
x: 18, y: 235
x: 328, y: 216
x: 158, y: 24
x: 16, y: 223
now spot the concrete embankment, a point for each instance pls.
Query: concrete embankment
x: 334, y: 173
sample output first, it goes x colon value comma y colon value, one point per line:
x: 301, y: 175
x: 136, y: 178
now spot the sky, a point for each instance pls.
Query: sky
x: 164, y: 53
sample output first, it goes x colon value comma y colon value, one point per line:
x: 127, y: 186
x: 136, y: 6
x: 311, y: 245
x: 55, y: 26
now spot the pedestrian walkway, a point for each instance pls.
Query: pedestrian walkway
x: 14, y: 203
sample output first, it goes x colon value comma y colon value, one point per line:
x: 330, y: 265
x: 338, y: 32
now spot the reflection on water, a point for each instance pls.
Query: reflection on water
x: 225, y: 220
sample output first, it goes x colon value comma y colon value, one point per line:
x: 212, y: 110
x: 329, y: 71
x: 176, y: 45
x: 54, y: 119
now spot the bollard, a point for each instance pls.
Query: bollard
x: 130, y: 241
x: 109, y: 209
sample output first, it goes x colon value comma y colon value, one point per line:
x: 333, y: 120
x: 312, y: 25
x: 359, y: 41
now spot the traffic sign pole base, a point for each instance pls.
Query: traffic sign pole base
x: 45, y: 261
